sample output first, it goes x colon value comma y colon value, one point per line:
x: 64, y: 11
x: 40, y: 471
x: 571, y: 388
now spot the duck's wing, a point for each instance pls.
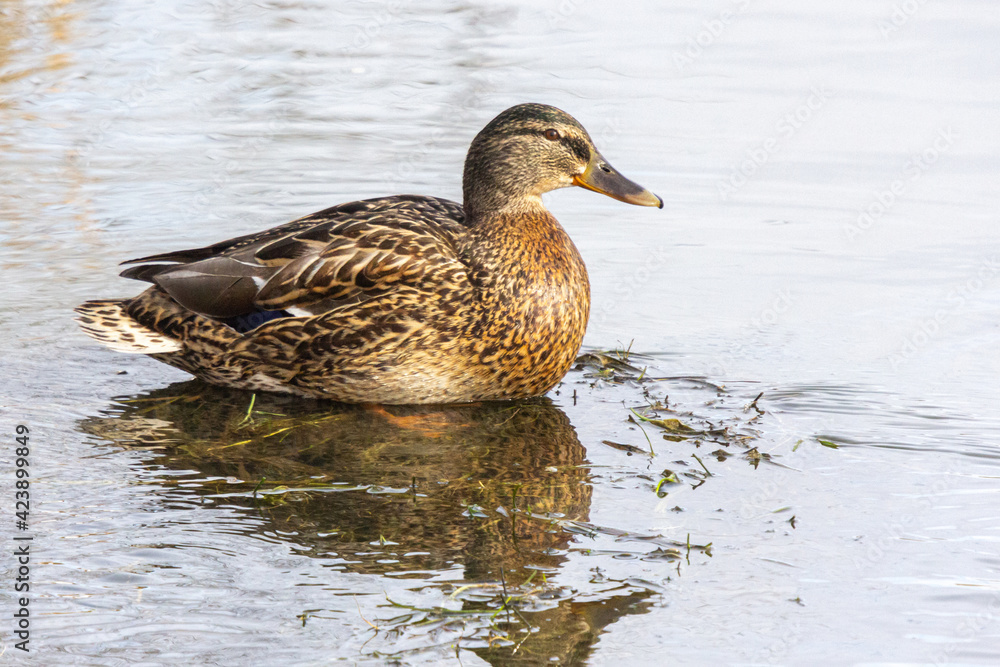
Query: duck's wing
x: 346, y: 253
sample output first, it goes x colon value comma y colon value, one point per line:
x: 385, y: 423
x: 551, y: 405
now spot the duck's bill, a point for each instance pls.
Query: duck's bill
x: 602, y: 177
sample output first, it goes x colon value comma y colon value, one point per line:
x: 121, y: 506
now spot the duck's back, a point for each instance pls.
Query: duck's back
x: 345, y: 253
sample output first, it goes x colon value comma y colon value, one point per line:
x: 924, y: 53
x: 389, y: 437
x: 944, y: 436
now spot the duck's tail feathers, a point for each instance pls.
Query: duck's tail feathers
x: 108, y: 321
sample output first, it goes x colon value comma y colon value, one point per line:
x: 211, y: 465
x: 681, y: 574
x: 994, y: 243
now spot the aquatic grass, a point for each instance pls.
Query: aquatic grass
x: 645, y: 435
x: 249, y: 415
x: 670, y: 479
x: 702, y: 463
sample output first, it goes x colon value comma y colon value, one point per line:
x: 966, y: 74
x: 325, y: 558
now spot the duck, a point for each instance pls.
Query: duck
x: 405, y: 299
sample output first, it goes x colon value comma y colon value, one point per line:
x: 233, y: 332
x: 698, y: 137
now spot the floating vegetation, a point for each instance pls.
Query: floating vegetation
x: 629, y: 449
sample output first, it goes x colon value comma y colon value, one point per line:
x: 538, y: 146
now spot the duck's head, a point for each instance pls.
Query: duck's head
x: 531, y: 149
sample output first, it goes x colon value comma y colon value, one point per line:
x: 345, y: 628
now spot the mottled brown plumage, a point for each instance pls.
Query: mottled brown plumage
x: 404, y: 299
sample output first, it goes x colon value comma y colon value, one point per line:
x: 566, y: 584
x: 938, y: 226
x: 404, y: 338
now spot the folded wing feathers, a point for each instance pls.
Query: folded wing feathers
x: 347, y: 251
x: 365, y: 259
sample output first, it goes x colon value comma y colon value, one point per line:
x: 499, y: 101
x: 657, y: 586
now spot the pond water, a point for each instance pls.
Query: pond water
x: 829, y: 243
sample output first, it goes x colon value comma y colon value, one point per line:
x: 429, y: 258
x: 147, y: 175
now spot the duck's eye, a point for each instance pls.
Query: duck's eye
x: 552, y: 134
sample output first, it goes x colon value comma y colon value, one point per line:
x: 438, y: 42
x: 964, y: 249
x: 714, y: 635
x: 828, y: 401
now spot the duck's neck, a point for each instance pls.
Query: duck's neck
x: 488, y: 214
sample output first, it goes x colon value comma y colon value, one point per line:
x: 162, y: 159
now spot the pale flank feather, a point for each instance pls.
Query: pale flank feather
x: 108, y: 322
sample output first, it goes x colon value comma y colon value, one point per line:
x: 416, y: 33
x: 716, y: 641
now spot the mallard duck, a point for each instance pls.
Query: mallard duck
x: 395, y: 300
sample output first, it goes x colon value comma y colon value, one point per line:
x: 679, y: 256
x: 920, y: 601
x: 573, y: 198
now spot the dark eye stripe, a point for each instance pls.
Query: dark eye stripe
x: 579, y: 147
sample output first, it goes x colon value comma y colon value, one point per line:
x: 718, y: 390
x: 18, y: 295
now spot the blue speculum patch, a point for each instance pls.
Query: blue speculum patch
x: 250, y: 321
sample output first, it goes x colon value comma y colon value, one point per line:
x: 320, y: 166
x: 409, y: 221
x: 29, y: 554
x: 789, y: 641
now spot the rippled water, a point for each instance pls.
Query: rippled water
x: 829, y: 239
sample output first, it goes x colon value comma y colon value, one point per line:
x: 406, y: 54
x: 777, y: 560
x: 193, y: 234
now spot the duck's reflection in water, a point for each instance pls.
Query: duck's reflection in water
x: 408, y: 491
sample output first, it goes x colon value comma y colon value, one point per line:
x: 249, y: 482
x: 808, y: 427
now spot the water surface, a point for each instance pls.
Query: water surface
x: 829, y: 239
